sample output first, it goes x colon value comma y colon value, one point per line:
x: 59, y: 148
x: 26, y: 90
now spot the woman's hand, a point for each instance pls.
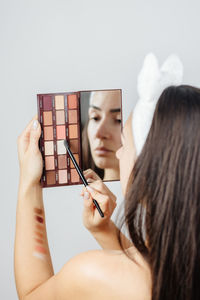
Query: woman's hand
x: 30, y: 158
x: 106, y: 199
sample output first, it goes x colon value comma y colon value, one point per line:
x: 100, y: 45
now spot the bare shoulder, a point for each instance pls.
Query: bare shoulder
x: 106, y: 274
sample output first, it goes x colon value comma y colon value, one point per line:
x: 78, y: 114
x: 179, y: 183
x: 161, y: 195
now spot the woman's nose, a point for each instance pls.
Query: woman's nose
x: 103, y: 131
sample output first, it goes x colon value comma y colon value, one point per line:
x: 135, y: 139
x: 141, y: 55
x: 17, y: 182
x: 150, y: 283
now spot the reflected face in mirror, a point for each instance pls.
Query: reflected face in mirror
x: 104, y: 131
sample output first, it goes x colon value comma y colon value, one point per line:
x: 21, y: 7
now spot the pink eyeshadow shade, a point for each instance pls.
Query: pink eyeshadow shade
x: 49, y: 163
x: 60, y: 117
x: 62, y: 174
x: 40, y: 249
x: 48, y: 133
x: 73, y: 131
x: 72, y: 101
x: 74, y: 176
x: 60, y: 132
x: 72, y: 116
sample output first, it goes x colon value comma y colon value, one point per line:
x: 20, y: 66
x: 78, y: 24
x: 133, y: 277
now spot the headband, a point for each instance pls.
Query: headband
x: 152, y: 80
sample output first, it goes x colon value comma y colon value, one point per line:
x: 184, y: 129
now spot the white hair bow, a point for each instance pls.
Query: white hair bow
x: 152, y: 80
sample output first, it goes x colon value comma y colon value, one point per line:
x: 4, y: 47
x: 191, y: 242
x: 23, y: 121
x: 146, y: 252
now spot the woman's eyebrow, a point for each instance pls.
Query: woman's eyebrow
x: 113, y: 110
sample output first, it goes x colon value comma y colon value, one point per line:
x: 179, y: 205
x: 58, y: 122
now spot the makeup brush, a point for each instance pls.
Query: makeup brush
x: 81, y: 176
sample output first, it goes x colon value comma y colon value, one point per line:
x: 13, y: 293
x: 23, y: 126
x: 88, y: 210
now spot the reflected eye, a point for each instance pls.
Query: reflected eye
x: 95, y: 118
x: 118, y: 121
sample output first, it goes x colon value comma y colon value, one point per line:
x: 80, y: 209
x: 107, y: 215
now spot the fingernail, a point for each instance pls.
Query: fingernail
x: 86, y: 195
x: 35, y: 124
x: 89, y: 189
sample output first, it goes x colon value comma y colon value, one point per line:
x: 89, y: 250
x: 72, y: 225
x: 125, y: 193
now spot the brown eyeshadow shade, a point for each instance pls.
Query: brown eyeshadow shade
x: 60, y: 117
x: 40, y: 235
x: 39, y: 241
x: 73, y: 131
x: 39, y: 219
x: 60, y: 132
x: 62, y: 175
x: 72, y: 116
x: 47, y: 118
x: 62, y: 162
x: 51, y: 178
x: 40, y: 249
x: 72, y: 101
x: 48, y: 133
x: 76, y: 156
x: 73, y: 146
x: 39, y: 227
x: 74, y: 176
x: 47, y: 102
x: 49, y: 163
x: 38, y: 211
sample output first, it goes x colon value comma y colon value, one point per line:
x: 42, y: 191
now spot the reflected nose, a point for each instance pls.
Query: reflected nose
x: 103, y: 131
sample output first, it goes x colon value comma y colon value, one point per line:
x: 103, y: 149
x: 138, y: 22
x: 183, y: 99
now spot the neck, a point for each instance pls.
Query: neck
x: 111, y: 174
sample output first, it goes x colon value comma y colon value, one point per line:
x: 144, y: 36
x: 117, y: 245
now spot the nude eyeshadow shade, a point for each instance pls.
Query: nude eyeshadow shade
x: 59, y: 117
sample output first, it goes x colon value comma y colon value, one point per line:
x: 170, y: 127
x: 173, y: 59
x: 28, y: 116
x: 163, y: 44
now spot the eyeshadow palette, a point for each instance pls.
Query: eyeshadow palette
x: 59, y: 116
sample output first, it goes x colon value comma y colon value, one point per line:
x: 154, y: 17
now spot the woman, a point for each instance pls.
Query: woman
x: 161, y: 188
x: 101, y: 135
x: 162, y: 193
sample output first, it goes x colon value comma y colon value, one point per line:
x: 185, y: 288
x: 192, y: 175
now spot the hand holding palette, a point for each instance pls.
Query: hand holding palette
x: 66, y: 116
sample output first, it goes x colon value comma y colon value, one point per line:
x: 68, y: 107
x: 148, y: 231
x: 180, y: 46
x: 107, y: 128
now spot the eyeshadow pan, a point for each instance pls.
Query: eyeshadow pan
x: 47, y: 102
x: 74, y: 176
x: 62, y: 175
x: 60, y: 132
x: 47, y: 118
x: 51, y: 179
x: 74, y: 146
x: 72, y: 116
x: 48, y: 133
x: 60, y: 117
x: 59, y: 102
x: 48, y: 148
x: 60, y: 147
x: 62, y: 162
x: 49, y: 163
x: 73, y: 131
x: 72, y: 101
x: 76, y: 156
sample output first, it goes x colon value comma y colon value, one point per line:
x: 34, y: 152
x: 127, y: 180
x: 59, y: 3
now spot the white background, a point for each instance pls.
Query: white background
x: 68, y: 45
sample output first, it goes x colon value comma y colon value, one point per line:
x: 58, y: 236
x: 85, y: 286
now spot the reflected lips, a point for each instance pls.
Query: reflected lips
x: 102, y: 151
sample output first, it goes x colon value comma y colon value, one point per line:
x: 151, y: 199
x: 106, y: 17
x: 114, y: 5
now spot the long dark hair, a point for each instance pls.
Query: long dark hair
x: 162, y: 205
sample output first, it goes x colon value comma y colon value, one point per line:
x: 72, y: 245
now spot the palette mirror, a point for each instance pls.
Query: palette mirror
x: 101, y: 132
x: 91, y: 123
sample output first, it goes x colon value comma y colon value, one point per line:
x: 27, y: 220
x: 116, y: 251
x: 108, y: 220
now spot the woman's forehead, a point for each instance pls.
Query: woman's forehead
x: 106, y: 100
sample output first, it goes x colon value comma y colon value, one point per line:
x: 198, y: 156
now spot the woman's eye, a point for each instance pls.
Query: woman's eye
x: 95, y: 118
